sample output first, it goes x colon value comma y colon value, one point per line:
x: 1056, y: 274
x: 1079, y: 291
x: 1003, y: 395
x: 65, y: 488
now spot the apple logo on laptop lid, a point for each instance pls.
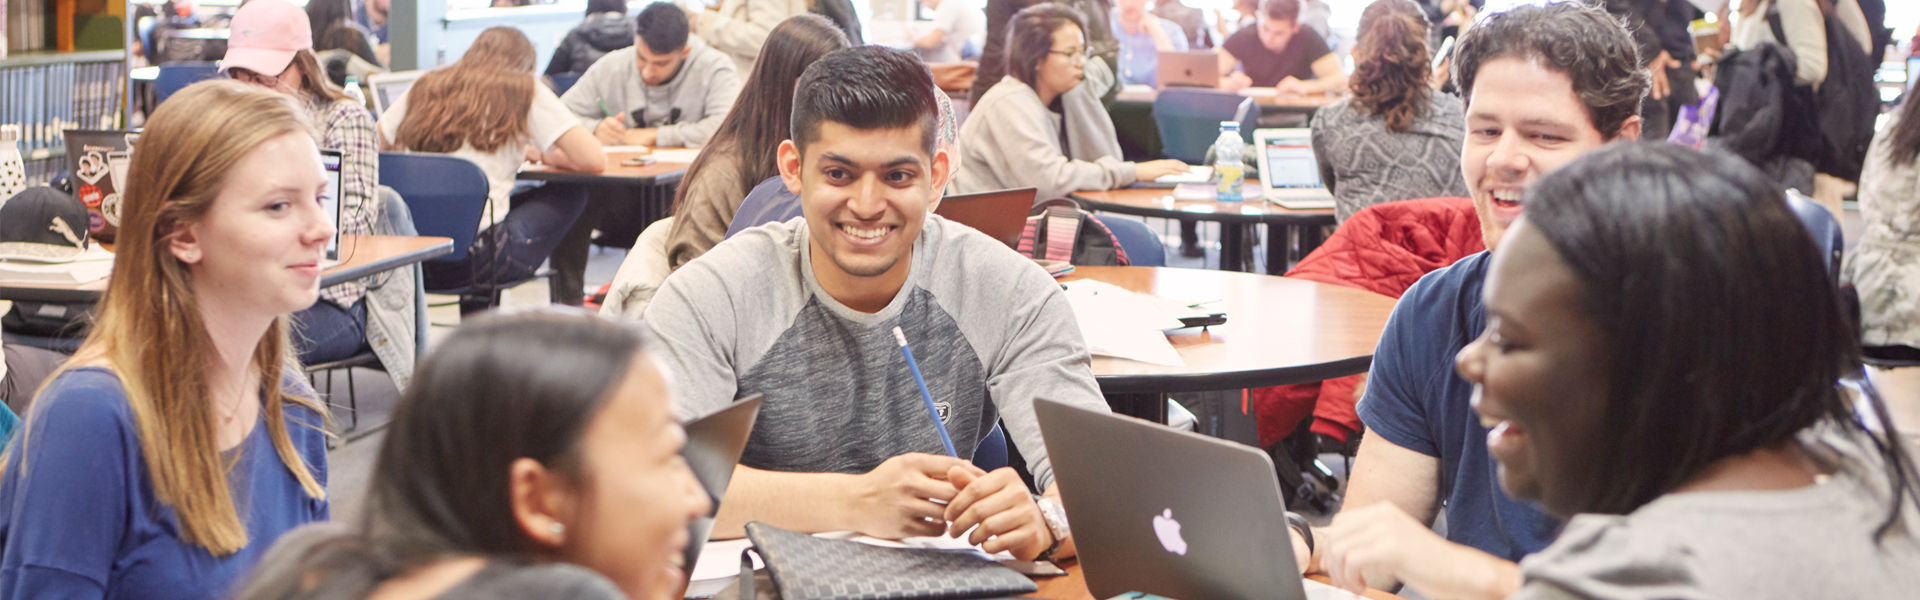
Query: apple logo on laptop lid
x: 1168, y: 530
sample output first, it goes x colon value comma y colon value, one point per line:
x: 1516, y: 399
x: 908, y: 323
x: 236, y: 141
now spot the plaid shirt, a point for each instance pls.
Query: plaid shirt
x: 346, y: 126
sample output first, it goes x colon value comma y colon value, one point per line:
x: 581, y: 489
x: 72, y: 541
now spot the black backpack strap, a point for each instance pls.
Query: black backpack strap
x: 1773, y: 21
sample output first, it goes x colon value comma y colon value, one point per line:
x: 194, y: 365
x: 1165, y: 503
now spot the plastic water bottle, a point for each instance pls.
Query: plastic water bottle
x: 353, y: 89
x: 1227, y: 165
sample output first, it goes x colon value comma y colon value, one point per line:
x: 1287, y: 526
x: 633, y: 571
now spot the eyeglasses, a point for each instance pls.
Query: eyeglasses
x: 1079, y: 55
x: 246, y: 76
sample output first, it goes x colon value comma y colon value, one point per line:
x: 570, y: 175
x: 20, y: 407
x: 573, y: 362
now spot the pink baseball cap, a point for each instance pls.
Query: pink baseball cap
x: 264, y: 36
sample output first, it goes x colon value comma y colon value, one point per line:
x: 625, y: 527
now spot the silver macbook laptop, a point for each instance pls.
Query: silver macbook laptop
x: 1289, y: 175
x: 1188, y: 69
x: 1169, y: 513
x: 388, y: 88
x: 714, y: 444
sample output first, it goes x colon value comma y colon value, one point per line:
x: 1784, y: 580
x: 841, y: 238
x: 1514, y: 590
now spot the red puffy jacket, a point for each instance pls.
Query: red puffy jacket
x: 1384, y: 249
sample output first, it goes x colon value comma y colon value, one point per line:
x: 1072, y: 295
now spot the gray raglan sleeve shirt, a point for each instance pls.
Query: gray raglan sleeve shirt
x: 990, y: 330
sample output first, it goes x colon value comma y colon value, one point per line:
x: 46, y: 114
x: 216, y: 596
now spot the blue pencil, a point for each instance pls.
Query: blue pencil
x: 924, y: 394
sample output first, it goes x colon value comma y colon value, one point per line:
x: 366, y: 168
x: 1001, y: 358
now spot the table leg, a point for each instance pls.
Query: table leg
x: 1152, y: 407
x: 1279, y: 248
x: 1311, y: 236
x: 1233, y: 244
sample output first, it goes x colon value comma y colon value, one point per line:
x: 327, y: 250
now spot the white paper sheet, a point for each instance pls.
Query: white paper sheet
x: 1200, y: 174
x: 675, y: 155
x: 1321, y: 591
x: 622, y: 149
x: 1123, y: 324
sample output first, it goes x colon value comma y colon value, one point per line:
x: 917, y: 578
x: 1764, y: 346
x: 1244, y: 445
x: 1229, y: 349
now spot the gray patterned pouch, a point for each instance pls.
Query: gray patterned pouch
x: 805, y: 567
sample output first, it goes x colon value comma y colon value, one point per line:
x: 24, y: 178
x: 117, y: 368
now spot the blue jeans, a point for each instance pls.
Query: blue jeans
x: 511, y: 250
x: 326, y: 332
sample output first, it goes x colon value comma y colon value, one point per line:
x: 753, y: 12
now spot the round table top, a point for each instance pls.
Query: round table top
x: 1278, y: 331
x: 1151, y: 202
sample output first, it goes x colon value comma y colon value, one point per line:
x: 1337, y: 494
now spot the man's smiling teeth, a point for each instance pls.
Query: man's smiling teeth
x: 1505, y: 195
x: 865, y: 233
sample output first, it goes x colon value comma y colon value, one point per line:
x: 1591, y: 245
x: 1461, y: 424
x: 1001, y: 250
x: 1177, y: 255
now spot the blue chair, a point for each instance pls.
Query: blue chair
x: 563, y: 82
x: 174, y: 77
x: 1143, y: 246
x: 1826, y: 231
x: 1189, y: 120
x: 992, y: 452
x: 447, y: 196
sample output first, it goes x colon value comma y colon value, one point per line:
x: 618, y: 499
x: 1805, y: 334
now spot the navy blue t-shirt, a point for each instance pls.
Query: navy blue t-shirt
x: 79, y: 519
x: 1417, y: 400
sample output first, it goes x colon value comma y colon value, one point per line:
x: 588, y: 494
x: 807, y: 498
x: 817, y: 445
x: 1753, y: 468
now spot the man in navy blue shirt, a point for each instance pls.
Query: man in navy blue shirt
x: 1543, y: 85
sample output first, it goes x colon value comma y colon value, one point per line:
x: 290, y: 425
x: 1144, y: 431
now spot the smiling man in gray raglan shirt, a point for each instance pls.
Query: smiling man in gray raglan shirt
x: 803, y: 312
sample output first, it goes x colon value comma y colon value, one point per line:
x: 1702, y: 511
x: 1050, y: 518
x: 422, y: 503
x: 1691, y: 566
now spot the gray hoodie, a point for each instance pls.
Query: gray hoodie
x: 686, y: 109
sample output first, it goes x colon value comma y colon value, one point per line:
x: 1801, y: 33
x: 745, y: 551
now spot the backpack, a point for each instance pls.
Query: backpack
x: 1758, y: 99
x: 1059, y: 230
x: 841, y: 12
x: 1846, y: 105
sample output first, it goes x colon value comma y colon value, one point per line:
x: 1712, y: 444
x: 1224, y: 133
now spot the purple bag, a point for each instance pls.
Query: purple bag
x: 1690, y: 129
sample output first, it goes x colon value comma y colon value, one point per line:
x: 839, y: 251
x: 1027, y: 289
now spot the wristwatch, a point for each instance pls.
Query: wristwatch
x: 1300, y: 524
x: 1056, y: 518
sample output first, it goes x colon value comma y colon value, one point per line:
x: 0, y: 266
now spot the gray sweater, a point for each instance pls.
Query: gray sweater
x: 1811, y: 542
x: 702, y: 93
x: 1011, y: 140
x: 989, y: 328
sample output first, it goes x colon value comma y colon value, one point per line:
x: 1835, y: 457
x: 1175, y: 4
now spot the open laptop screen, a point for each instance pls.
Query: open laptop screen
x: 1289, y: 162
x: 330, y: 204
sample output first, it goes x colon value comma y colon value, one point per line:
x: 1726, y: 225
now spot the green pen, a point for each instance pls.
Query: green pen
x: 604, y: 110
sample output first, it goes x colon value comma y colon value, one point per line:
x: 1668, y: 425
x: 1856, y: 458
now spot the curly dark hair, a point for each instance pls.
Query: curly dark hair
x: 1390, y: 63
x: 1592, y: 47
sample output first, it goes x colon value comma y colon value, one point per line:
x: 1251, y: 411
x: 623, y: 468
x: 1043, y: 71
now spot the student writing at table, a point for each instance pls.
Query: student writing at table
x: 1544, y: 85
x: 181, y: 440
x: 1280, y: 53
x: 803, y: 311
x: 671, y: 90
x: 1662, y: 358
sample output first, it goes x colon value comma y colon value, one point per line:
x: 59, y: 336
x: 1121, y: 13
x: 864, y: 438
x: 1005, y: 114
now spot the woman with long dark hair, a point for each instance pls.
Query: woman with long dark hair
x: 1039, y: 126
x: 1884, y: 266
x: 489, y: 108
x: 1663, y: 358
x: 1395, y: 139
x: 532, y: 445
x: 741, y: 153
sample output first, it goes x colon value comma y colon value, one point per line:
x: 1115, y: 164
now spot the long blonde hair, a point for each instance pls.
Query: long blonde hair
x: 149, y: 317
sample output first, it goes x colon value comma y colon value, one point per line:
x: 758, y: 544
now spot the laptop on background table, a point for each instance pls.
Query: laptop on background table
x: 1166, y: 512
x: 1001, y: 214
x: 1289, y: 174
x: 331, y: 159
x: 388, y: 88
x: 1188, y: 69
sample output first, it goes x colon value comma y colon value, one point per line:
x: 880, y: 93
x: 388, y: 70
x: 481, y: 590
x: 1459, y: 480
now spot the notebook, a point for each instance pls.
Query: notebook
x: 100, y: 160
x: 1289, y: 175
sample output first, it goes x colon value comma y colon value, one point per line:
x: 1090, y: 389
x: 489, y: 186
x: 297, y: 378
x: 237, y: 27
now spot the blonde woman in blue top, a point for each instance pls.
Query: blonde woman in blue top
x: 178, y: 443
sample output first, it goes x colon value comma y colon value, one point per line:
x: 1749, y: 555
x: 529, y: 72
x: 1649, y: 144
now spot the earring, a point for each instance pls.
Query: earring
x: 556, y: 529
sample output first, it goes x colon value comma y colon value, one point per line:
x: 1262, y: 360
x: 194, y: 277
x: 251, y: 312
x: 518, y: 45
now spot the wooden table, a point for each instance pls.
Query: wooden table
x: 1279, y: 331
x: 1073, y: 586
x: 616, y: 173
x: 1149, y: 202
x: 361, y: 255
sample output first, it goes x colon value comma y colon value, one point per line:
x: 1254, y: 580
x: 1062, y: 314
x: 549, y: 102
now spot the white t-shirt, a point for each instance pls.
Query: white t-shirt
x: 547, y: 119
x: 962, y: 20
